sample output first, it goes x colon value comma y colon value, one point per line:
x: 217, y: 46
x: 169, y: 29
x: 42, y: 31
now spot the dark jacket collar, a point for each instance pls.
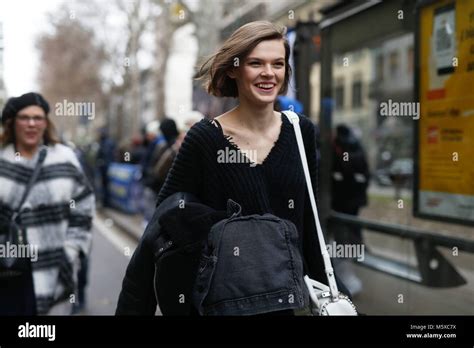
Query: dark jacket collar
x: 183, y: 218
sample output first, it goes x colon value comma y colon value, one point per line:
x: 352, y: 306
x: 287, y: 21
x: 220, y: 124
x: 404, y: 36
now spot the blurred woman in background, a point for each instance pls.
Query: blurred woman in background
x: 56, y: 214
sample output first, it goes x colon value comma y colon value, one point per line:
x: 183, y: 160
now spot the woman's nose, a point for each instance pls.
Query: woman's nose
x: 267, y: 70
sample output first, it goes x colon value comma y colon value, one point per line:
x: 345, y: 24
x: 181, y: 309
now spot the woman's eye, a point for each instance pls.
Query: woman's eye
x: 277, y: 65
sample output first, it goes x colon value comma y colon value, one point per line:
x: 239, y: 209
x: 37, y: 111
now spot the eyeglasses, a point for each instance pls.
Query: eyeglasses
x: 27, y: 119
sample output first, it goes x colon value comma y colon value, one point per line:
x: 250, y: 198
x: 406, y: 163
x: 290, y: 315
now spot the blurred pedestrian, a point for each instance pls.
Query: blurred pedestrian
x: 105, y: 156
x: 170, y: 133
x: 153, y: 137
x: 138, y: 150
x: 163, y: 166
x: 151, y: 179
x: 253, y: 66
x: 350, y: 180
x: 54, y: 215
x: 155, y: 140
x: 350, y: 176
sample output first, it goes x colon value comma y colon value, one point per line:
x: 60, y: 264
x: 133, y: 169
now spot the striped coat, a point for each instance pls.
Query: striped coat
x: 57, y: 216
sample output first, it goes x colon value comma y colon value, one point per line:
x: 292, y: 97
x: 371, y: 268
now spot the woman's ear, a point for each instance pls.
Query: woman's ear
x: 231, y: 73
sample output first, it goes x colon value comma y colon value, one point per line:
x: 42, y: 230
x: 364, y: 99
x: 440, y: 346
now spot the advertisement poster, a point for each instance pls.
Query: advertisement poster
x: 446, y: 126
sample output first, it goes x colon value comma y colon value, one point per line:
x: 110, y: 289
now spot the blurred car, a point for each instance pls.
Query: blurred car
x: 400, y: 169
x: 401, y: 172
x: 382, y: 177
x: 402, y: 166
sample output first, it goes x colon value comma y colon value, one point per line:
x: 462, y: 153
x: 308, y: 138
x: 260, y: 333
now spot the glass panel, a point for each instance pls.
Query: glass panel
x: 374, y: 98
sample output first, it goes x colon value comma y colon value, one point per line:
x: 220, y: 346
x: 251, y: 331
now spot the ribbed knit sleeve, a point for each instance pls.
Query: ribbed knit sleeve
x: 308, y: 131
x: 311, y: 248
x: 185, y: 174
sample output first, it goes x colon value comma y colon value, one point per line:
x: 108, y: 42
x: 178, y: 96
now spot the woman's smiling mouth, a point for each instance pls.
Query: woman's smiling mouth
x: 265, y: 87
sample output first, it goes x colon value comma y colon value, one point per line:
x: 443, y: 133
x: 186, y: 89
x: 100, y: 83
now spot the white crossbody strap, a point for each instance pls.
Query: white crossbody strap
x: 295, y: 121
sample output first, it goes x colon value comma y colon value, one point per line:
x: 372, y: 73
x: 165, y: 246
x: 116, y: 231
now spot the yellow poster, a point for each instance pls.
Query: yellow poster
x: 446, y: 128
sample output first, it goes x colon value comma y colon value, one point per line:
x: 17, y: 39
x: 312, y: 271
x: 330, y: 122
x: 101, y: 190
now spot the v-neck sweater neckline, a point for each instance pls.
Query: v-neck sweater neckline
x: 275, y: 149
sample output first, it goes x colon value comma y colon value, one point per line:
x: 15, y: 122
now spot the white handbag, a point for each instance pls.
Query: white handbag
x: 327, y: 300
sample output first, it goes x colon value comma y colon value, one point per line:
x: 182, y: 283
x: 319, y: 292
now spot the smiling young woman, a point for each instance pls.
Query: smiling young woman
x: 252, y: 65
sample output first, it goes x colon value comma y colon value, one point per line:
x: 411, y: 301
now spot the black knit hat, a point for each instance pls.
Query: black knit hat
x: 15, y: 104
x: 169, y: 130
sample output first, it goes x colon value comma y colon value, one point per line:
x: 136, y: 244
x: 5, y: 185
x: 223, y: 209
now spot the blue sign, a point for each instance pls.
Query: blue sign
x: 291, y: 104
x: 125, y: 189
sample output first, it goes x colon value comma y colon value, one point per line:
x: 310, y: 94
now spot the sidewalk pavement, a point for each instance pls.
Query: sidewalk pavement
x: 131, y: 224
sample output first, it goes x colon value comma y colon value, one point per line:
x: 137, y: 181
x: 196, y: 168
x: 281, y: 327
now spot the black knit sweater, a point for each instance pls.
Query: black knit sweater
x: 277, y: 186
